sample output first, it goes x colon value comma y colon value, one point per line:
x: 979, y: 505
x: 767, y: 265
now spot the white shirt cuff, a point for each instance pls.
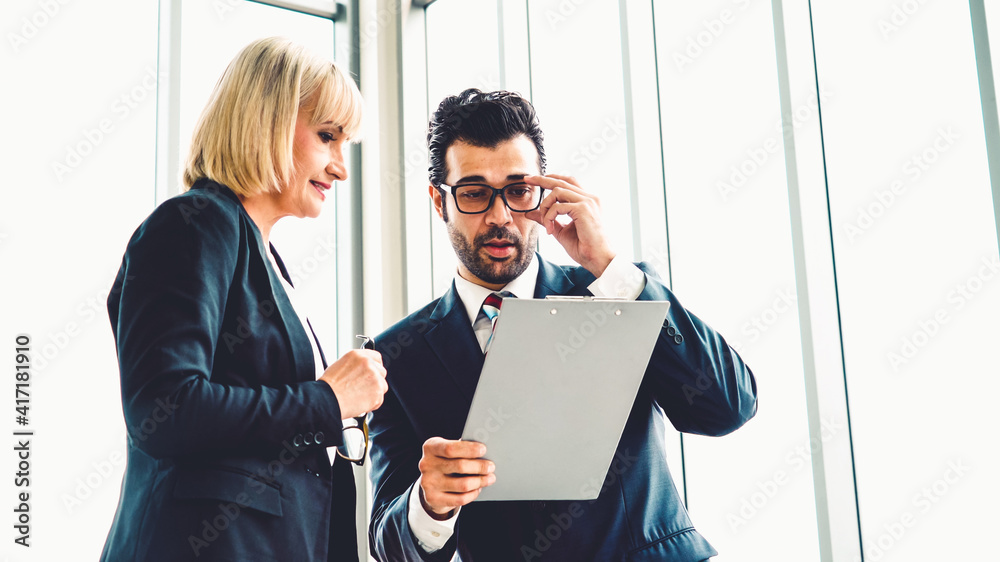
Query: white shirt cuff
x: 621, y: 279
x: 430, y: 533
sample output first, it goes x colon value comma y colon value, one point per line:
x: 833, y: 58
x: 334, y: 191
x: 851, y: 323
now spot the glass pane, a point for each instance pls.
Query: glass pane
x: 459, y: 56
x: 916, y: 251
x: 582, y: 109
x: 731, y: 263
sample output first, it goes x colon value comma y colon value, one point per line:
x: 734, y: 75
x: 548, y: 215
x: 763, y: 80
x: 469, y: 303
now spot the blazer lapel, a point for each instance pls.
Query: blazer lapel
x: 453, y: 341
x: 451, y: 338
x: 322, y: 356
x: 300, y: 350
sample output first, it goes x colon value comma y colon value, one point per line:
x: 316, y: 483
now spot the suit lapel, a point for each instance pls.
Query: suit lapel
x: 322, y: 356
x: 300, y: 350
x: 303, y: 364
x: 451, y: 338
x: 288, y: 325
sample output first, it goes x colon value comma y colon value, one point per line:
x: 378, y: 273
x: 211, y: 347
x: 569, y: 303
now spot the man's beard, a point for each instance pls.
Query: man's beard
x: 490, y: 270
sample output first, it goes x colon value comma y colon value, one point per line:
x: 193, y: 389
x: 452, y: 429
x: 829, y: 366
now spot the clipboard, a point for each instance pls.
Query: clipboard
x: 556, y: 389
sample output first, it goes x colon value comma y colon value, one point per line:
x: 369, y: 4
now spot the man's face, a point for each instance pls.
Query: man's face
x: 496, y: 246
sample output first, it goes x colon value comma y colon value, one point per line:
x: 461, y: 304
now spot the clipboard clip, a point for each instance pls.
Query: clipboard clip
x: 584, y: 298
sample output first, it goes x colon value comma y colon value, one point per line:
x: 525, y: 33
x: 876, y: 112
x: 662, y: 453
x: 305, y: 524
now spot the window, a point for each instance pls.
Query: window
x: 916, y: 255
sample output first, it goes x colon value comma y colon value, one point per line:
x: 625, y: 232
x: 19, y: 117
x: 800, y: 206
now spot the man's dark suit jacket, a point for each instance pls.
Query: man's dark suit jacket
x: 227, y: 424
x: 434, y: 360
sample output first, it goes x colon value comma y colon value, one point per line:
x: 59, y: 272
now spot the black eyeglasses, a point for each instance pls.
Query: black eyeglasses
x: 355, y: 445
x: 475, y: 198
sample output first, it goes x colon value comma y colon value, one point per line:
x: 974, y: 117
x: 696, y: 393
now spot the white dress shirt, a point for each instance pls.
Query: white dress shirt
x: 621, y: 279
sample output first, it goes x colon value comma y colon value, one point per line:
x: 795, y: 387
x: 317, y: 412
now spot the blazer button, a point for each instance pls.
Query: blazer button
x: 297, y: 441
x: 318, y: 438
x: 308, y: 439
x: 671, y: 331
x: 678, y: 339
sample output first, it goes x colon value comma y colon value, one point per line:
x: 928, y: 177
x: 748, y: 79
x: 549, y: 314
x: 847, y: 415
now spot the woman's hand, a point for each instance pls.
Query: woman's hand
x: 358, y: 381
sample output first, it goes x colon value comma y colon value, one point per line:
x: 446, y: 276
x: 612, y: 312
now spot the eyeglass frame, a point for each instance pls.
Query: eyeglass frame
x: 367, y: 342
x: 363, y: 426
x: 493, y: 196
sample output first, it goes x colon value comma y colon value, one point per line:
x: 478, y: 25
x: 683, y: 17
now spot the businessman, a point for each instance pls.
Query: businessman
x: 486, y: 182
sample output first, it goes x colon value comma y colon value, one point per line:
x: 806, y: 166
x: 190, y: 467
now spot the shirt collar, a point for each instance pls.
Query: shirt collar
x: 472, y: 295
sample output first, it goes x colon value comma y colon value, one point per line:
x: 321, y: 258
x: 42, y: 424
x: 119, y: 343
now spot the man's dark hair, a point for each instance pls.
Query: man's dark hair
x: 480, y: 119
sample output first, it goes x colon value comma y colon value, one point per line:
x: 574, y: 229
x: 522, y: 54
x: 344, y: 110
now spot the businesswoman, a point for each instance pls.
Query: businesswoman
x: 229, y: 403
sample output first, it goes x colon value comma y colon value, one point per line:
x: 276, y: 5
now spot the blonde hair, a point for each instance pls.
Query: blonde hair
x: 243, y: 138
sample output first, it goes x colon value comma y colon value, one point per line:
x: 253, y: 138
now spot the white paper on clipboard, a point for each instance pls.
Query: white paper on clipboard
x: 556, y: 390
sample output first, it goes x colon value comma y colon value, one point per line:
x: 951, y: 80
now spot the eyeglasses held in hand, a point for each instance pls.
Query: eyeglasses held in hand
x: 355, y: 445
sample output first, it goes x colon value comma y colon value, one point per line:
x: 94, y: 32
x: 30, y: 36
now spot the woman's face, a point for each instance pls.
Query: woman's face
x: 318, y: 161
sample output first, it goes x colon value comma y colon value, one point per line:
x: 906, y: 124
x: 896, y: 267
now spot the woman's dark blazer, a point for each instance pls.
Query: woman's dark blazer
x: 227, y: 424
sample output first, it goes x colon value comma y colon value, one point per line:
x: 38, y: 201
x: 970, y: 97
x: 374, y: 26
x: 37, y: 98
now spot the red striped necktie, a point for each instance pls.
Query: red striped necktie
x: 491, y: 309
